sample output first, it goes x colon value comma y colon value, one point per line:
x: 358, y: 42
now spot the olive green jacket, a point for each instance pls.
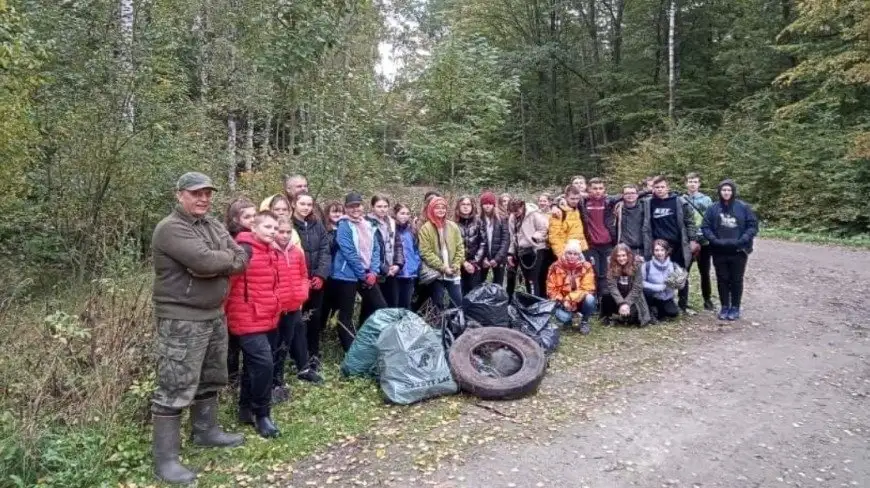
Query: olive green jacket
x: 193, y: 258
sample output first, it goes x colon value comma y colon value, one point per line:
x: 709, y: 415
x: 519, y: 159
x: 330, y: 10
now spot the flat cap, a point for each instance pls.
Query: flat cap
x: 193, y: 181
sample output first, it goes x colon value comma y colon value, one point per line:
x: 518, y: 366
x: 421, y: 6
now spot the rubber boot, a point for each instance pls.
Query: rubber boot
x: 204, y: 427
x: 166, y: 446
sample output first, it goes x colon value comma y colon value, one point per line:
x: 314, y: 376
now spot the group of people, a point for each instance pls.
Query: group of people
x: 234, y: 300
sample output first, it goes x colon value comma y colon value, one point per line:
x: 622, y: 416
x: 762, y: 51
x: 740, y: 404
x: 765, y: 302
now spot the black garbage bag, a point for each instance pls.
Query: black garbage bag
x: 488, y: 305
x: 453, y: 324
x: 533, y: 316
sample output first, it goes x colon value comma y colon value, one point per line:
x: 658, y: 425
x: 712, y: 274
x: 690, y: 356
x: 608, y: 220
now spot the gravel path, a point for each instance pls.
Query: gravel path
x: 777, y: 399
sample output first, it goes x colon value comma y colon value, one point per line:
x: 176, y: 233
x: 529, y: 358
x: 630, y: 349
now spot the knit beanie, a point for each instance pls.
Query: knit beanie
x: 488, y: 198
x: 573, y: 245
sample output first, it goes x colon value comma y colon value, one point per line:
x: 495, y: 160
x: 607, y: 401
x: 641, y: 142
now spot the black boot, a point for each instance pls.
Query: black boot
x: 265, y: 427
x: 246, y: 416
x: 205, y: 430
x: 166, y: 445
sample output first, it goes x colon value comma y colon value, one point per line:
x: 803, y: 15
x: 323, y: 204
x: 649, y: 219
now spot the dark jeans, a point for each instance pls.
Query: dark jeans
x: 313, y: 315
x: 233, y: 360
x: 423, y: 295
x: 405, y: 292
x: 255, y: 390
x: 451, y: 289
x: 390, y: 291
x: 678, y: 258
x: 704, y: 262
x: 730, y: 269
x: 289, y: 337
x: 661, y: 309
x: 469, y: 281
x: 497, y: 275
x: 599, y: 256
x: 609, y: 308
x: 345, y: 298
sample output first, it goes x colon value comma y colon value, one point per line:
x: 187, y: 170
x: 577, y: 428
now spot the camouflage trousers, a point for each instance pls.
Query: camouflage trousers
x: 191, y: 360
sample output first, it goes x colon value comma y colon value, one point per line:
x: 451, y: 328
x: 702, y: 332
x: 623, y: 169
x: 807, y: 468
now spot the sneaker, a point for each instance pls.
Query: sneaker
x: 733, y: 313
x: 314, y: 364
x: 310, y: 376
x: 607, y: 321
x: 723, y: 313
x: 584, y: 327
x: 708, y: 305
x: 280, y: 394
x: 688, y: 311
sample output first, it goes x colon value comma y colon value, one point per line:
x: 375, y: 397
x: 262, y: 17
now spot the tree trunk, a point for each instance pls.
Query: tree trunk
x: 265, y: 148
x: 593, y: 30
x: 290, y: 146
x: 672, y: 62
x: 125, y: 57
x: 659, y: 43
x: 249, y: 143
x: 231, y: 151
x: 617, y: 33
x: 199, y: 27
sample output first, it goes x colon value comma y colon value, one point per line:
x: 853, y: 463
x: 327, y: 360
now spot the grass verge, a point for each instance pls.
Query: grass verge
x: 860, y: 241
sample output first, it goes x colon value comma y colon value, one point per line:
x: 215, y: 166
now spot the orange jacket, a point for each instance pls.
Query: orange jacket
x: 570, y: 283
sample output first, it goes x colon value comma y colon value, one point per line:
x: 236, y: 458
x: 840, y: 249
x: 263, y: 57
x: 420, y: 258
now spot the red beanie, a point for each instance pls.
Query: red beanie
x: 488, y: 198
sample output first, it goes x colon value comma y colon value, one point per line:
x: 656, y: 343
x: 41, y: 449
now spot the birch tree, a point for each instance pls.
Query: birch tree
x: 126, y: 20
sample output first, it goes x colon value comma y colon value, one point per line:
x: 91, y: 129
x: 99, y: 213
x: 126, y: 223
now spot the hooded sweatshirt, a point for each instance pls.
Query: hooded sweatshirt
x: 730, y: 225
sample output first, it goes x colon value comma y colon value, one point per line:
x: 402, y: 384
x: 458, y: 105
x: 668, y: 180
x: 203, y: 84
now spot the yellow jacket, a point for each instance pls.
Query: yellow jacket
x: 564, y: 229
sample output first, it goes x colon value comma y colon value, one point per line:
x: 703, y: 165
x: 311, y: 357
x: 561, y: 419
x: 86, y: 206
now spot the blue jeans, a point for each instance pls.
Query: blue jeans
x: 453, y: 290
x: 587, y: 308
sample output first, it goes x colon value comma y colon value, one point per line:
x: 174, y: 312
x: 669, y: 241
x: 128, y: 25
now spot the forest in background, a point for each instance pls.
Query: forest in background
x: 104, y: 103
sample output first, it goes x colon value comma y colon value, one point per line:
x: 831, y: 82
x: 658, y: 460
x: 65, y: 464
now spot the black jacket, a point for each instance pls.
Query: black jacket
x: 501, y: 240
x: 316, y: 243
x: 473, y: 236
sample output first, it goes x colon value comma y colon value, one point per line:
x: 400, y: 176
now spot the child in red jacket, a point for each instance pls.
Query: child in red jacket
x: 252, y: 310
x: 292, y: 293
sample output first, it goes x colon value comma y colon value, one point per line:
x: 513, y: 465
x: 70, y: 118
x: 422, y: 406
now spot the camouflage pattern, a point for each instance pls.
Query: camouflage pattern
x: 191, y: 360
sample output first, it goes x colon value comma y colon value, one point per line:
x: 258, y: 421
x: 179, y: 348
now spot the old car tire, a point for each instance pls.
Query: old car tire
x: 522, y: 383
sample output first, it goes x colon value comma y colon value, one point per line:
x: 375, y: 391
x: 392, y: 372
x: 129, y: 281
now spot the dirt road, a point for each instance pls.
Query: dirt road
x: 778, y: 399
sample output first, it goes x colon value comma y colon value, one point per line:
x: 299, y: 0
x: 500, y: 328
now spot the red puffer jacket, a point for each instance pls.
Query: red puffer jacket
x: 252, y: 306
x: 292, y: 277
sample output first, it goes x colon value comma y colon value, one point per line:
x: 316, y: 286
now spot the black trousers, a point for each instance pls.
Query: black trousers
x: 290, y: 337
x: 705, y: 259
x: 390, y: 291
x: 661, y: 309
x: 530, y: 266
x: 549, y: 258
x: 609, y: 308
x: 497, y: 275
x: 730, y: 269
x: 314, y: 323
x: 423, y: 294
x: 327, y: 310
x: 345, y: 298
x: 599, y: 255
x: 405, y: 292
x: 469, y: 280
x: 255, y: 388
x: 233, y: 360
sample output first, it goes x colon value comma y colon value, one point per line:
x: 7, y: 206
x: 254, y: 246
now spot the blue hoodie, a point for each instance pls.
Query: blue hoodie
x: 730, y: 226
x: 411, y: 251
x: 346, y: 264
